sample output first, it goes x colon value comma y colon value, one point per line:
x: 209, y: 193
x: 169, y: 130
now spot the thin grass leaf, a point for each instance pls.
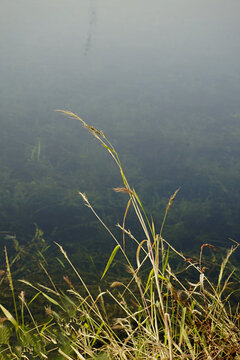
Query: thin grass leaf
x: 112, y: 256
x: 78, y: 353
x: 138, y: 252
x: 97, y: 333
x: 150, y: 276
x: 108, y: 148
x: 45, y: 326
x: 226, y: 283
x: 124, y: 220
x: 166, y: 262
x: 153, y: 229
x: 162, y: 278
x: 27, y: 283
x: 48, y: 289
x: 66, y: 356
x: 34, y: 298
x: 52, y: 300
x: 187, y: 340
x: 11, y: 282
x: 148, y: 280
x: 9, y: 316
x: 182, y: 325
x: 223, y: 265
x: 60, y: 261
x: 143, y: 210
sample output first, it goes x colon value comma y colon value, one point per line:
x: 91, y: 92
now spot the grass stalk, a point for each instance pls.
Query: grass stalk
x: 156, y: 314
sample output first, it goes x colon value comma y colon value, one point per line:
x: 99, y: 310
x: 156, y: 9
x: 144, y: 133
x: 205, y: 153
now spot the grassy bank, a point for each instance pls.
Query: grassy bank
x: 155, y: 313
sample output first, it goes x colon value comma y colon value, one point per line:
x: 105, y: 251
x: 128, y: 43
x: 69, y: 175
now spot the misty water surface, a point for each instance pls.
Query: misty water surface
x: 161, y: 78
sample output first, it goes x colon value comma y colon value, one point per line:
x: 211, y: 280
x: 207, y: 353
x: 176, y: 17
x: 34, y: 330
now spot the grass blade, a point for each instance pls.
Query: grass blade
x: 110, y: 260
x: 182, y: 326
x: 9, y: 316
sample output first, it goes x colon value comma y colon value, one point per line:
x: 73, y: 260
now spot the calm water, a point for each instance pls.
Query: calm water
x: 161, y: 78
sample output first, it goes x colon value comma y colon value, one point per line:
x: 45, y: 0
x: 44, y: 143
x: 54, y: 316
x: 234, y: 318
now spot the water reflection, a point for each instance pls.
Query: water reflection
x: 161, y: 78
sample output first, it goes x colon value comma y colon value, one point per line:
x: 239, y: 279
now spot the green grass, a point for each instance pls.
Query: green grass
x: 154, y: 313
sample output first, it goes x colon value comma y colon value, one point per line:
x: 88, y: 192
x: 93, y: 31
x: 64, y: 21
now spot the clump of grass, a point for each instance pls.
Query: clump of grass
x: 157, y: 315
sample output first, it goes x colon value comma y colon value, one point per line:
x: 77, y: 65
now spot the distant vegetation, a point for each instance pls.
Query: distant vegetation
x: 149, y: 306
x: 43, y: 165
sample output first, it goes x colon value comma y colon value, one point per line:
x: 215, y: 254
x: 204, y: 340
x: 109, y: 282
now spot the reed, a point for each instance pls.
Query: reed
x: 154, y: 314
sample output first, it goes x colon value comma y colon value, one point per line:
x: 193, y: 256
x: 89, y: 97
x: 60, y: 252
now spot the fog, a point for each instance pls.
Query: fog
x: 161, y: 77
x: 88, y: 55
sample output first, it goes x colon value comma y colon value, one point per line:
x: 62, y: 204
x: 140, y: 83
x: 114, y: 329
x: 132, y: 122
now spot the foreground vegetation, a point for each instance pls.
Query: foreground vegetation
x: 152, y: 312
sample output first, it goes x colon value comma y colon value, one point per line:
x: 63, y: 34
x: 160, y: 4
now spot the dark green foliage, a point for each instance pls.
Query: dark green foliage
x: 147, y: 311
x: 43, y: 167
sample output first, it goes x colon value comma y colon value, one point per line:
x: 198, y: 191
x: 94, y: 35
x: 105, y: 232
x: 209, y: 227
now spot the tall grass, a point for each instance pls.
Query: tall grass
x: 155, y: 314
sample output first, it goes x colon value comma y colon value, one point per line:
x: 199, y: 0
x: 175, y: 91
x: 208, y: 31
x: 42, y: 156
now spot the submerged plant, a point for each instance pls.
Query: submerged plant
x: 154, y: 313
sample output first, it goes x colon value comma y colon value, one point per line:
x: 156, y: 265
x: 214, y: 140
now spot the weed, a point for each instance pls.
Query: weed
x: 154, y: 314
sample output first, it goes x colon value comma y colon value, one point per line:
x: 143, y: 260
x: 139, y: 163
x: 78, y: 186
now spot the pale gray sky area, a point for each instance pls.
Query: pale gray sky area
x: 79, y: 52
